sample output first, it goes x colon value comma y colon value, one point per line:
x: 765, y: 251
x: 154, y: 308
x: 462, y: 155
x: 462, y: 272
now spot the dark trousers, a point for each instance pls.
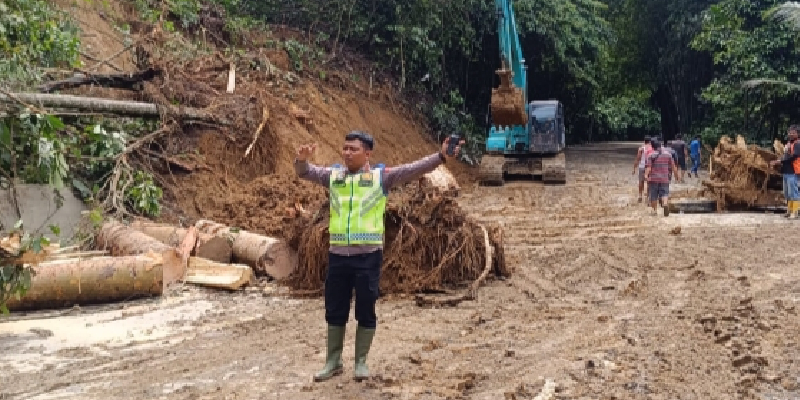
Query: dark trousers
x: 362, y: 272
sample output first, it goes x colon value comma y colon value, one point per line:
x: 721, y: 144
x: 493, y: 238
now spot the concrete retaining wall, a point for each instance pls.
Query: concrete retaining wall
x: 38, y: 206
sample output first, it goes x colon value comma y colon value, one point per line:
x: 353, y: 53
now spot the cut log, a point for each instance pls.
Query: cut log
x: 442, y: 179
x: 217, y: 275
x: 65, y: 283
x: 118, y: 107
x: 121, y: 240
x: 264, y: 254
x: 119, y: 81
x: 214, y: 248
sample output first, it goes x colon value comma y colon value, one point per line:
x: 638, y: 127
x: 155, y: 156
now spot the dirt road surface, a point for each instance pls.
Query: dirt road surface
x: 605, y: 302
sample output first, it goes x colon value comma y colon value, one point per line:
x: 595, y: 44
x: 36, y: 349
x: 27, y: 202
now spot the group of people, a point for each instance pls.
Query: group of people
x: 657, y: 164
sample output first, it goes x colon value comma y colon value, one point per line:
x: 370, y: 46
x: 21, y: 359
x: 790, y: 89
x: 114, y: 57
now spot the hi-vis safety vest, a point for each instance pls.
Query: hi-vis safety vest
x: 357, y: 205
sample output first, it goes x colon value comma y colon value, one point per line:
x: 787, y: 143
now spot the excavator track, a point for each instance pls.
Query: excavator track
x: 554, y: 170
x: 491, y: 170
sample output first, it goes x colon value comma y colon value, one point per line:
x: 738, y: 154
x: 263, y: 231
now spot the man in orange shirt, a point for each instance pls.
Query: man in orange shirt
x: 790, y: 168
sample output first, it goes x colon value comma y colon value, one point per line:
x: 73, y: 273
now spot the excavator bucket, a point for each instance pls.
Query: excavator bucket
x: 508, y: 102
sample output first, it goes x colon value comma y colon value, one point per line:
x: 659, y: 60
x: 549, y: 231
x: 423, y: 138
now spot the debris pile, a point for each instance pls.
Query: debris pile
x: 741, y: 177
x: 430, y: 245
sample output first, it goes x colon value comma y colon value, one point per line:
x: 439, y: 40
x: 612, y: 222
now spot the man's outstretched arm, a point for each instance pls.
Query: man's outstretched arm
x: 400, y: 174
x: 308, y: 171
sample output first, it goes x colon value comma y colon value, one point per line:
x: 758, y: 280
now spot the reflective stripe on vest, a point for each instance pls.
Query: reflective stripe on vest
x: 357, y: 206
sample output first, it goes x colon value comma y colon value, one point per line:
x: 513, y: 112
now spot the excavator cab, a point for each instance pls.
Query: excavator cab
x: 547, y: 126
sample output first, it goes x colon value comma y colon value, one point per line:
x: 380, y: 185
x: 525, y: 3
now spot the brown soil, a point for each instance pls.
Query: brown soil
x: 604, y: 301
x: 203, y: 169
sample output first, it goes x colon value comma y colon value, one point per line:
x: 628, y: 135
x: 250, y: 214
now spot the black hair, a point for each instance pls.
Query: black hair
x: 647, y: 139
x: 678, y: 136
x: 795, y: 128
x: 363, y: 137
x: 656, y: 144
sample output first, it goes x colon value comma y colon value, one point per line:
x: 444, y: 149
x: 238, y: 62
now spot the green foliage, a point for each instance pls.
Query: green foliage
x: 32, y: 150
x: 447, y: 118
x: 142, y: 195
x: 745, y: 45
x: 34, y: 35
x: 42, y: 149
x: 15, y: 279
x: 621, y: 113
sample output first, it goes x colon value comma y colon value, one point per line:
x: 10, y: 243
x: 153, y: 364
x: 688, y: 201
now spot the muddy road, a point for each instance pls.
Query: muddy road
x: 606, y: 301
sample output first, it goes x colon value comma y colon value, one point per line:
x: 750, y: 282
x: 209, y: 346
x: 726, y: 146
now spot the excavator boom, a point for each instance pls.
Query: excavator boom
x: 524, y: 137
x: 509, y: 99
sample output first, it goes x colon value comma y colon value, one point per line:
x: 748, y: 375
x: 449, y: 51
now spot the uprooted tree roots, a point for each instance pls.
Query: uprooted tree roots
x: 431, y: 246
x: 741, y: 176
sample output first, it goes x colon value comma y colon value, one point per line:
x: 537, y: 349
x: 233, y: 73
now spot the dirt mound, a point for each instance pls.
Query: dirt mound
x: 431, y: 245
x: 267, y: 205
x: 741, y: 176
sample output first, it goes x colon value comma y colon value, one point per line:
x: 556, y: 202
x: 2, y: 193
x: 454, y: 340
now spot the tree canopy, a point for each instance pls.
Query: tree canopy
x: 623, y: 68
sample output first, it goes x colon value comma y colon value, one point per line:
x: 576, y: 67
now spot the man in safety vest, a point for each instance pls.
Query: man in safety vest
x: 357, y: 204
x: 790, y: 168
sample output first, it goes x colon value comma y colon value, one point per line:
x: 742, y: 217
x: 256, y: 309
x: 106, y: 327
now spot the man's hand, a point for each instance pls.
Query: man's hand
x: 455, y: 151
x: 305, y: 151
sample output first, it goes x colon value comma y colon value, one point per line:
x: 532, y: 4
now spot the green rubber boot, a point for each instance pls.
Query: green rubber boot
x: 363, y: 342
x: 333, y: 362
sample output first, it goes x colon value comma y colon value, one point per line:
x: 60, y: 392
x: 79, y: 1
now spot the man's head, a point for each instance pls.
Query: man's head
x: 697, y: 137
x: 647, y: 140
x: 678, y: 136
x: 793, y: 130
x: 656, y: 144
x: 356, y: 149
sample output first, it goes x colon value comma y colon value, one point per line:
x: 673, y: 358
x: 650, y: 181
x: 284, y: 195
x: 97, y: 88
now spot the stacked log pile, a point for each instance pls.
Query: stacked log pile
x: 741, y: 177
x: 143, y: 259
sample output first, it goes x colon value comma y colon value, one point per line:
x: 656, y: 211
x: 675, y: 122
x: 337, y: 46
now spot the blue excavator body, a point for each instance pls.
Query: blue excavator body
x: 524, y: 137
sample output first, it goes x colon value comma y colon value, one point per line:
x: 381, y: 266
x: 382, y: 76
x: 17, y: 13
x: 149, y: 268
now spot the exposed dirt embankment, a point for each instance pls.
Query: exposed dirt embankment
x: 208, y: 171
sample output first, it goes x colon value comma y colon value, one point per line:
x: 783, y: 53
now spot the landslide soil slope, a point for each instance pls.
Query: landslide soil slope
x: 255, y: 192
x: 605, y: 301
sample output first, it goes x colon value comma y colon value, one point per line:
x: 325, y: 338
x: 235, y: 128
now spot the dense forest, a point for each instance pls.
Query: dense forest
x: 623, y: 68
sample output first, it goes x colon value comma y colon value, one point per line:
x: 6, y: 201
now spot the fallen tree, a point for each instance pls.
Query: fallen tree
x: 741, y: 176
x: 99, y: 105
x: 118, y: 81
x: 121, y: 240
x: 208, y: 246
x: 264, y: 254
x: 64, y: 283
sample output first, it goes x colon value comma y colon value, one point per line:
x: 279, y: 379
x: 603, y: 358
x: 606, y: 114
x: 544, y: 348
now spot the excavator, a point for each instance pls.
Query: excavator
x: 524, y: 138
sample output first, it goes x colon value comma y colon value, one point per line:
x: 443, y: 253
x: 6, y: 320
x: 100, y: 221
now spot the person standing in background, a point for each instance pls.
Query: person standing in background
x: 790, y: 168
x: 641, y: 157
x: 694, y: 153
x: 681, y: 153
x: 659, y: 168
